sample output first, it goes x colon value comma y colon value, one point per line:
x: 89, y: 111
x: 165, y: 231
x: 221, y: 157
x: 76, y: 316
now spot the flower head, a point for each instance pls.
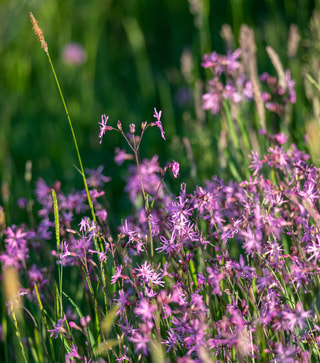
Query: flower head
x: 158, y: 123
x: 103, y: 126
x: 74, y: 54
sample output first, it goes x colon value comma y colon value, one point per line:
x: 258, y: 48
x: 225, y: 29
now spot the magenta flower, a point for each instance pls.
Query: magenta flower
x: 158, y: 123
x: 211, y: 101
x: 175, y: 167
x: 140, y: 343
x: 58, y: 328
x: 296, y: 317
x: 117, y: 274
x: 314, y: 249
x: 74, y: 54
x: 281, y: 138
x: 149, y: 275
x: 121, y: 156
x: 256, y: 164
x: 290, y: 85
x: 103, y: 126
x: 145, y: 310
x: 96, y: 178
x: 73, y: 353
x: 16, y: 247
x: 171, y: 341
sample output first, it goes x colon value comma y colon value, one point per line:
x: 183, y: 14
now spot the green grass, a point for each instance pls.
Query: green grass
x: 134, y: 64
x: 134, y: 51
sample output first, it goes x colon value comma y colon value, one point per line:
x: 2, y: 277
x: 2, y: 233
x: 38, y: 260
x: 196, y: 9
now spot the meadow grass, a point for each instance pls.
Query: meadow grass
x: 225, y: 269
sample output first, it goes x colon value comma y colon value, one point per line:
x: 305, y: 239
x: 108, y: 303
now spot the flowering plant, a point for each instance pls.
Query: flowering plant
x: 227, y: 271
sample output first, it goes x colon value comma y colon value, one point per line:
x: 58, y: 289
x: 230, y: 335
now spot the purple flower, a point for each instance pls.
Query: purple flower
x: 252, y: 241
x: 158, y: 123
x: 22, y: 203
x: 310, y: 192
x: 230, y: 93
x: 58, y: 328
x: 117, y: 274
x: 247, y: 91
x: 281, y: 138
x: 73, y: 353
x: 172, y: 340
x: 103, y: 126
x: 168, y: 246
x: 74, y: 54
x: 16, y: 247
x: 96, y: 178
x: 175, y: 167
x: 214, y: 278
x: 277, y: 157
x: 285, y: 354
x: 210, y: 60
x: 149, y: 171
x: 43, y: 193
x: 140, y: 343
x: 256, y: 164
x: 212, y: 102
x: 122, y: 301
x: 124, y: 357
x: 313, y: 249
x: 145, y: 310
x: 121, y: 156
x: 290, y: 85
x: 149, y: 275
x: 231, y: 62
x: 296, y: 317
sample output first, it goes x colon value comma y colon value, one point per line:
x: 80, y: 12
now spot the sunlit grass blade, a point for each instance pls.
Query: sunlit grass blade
x: 44, y: 45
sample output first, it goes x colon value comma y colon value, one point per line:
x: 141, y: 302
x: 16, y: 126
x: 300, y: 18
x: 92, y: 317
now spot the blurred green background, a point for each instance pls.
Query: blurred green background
x: 141, y: 54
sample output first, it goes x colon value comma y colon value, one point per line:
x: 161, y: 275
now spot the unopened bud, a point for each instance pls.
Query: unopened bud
x: 119, y: 125
x: 132, y: 128
x: 28, y: 171
x: 143, y: 125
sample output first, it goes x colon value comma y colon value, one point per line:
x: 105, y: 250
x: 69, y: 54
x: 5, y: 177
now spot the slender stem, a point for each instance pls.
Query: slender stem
x: 44, y: 320
x: 74, y: 139
x: 145, y: 203
x: 14, y: 318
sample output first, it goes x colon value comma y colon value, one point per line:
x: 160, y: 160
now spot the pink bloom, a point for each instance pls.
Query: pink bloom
x: 58, y: 328
x: 96, y: 178
x: 140, y: 343
x: 175, y: 167
x: 145, y: 310
x: 103, y: 126
x: 158, y: 123
x: 74, y: 54
x: 121, y: 156
x: 281, y: 138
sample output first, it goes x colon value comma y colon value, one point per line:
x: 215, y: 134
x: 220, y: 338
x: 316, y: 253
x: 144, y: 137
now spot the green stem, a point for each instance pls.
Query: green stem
x: 14, y: 318
x: 74, y: 139
x: 44, y: 320
x: 146, y: 203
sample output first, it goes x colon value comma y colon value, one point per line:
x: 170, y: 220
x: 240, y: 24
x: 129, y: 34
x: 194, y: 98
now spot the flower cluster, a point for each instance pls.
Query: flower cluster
x: 279, y: 95
x: 227, y: 271
x: 236, y: 87
x: 229, y: 82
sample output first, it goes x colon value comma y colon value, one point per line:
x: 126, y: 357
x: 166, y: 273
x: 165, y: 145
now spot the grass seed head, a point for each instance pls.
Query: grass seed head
x: 39, y: 33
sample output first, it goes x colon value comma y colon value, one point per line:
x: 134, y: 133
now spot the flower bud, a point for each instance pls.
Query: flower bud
x: 132, y: 128
x: 119, y: 125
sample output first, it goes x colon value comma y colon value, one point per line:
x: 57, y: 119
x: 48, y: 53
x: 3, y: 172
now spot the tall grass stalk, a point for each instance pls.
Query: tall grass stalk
x: 57, y: 230
x: 44, y: 318
x: 18, y: 334
x: 44, y: 45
